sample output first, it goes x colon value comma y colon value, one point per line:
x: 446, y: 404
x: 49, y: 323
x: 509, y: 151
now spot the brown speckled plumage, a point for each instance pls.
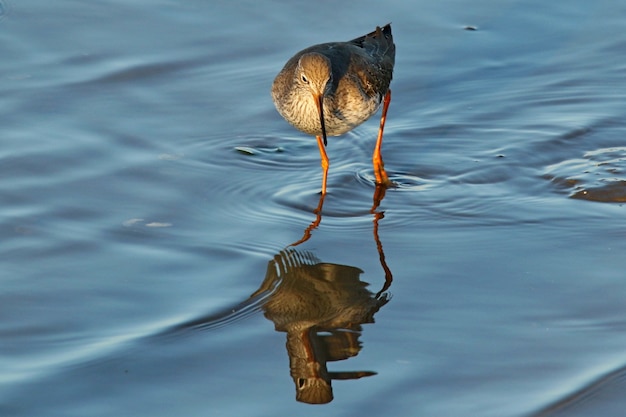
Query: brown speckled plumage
x: 353, y: 77
x: 331, y: 88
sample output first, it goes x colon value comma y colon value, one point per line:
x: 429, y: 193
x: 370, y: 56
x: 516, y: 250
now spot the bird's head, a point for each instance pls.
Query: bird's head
x: 314, y: 73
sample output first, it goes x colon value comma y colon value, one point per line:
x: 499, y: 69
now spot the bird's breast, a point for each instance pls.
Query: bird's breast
x: 343, y: 110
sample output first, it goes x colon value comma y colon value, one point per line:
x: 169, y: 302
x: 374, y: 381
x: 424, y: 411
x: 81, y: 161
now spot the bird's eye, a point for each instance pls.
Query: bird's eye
x: 304, y: 79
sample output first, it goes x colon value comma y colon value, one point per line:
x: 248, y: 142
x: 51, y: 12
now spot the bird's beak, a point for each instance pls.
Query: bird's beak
x: 319, y: 101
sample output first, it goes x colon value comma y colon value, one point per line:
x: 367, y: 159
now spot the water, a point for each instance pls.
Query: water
x: 148, y: 186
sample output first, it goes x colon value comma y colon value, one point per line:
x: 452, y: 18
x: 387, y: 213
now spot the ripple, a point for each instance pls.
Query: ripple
x: 597, y: 176
x: 592, y: 395
x: 114, y: 72
x: 276, y: 153
x: 401, y: 181
x: 247, y: 150
x: 343, y: 201
x: 284, y: 178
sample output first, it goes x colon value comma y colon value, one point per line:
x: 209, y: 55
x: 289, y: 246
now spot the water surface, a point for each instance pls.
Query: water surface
x: 150, y: 192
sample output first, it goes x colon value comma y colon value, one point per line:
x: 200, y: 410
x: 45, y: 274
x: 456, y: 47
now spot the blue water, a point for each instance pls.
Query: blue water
x: 148, y: 187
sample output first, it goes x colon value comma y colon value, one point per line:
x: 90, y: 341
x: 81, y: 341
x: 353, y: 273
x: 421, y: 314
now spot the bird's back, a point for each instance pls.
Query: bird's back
x: 379, y: 46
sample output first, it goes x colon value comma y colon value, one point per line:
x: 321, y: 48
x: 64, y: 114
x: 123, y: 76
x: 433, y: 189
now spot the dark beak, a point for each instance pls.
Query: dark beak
x: 319, y: 100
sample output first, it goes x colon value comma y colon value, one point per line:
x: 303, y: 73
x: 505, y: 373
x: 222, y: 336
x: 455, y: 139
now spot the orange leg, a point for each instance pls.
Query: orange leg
x: 377, y: 159
x: 325, y: 162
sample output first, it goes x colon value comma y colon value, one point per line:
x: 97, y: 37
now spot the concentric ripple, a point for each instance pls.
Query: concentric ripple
x: 401, y: 181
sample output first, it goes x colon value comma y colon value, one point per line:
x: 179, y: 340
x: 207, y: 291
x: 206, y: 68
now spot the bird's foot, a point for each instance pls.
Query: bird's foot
x: 382, y: 179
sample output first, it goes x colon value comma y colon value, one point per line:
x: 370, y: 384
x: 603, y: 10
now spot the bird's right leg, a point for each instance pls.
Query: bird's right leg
x: 325, y: 162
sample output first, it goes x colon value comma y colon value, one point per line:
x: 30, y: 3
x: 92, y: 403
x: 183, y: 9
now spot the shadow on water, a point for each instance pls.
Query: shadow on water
x: 321, y: 306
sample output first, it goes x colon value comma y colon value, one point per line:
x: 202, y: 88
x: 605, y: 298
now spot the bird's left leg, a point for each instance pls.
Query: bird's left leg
x: 377, y: 159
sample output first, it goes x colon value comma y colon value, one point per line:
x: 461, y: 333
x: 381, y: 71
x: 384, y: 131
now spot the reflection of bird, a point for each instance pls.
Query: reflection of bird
x: 330, y: 88
x: 312, y: 297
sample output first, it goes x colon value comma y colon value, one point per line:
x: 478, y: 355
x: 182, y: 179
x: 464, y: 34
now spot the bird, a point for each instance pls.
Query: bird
x: 330, y: 88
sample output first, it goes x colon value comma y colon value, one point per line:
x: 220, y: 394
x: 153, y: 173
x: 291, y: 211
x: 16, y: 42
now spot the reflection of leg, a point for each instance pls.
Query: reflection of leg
x: 377, y: 159
x: 381, y: 255
x: 325, y: 162
x: 379, y: 194
x: 307, y: 232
